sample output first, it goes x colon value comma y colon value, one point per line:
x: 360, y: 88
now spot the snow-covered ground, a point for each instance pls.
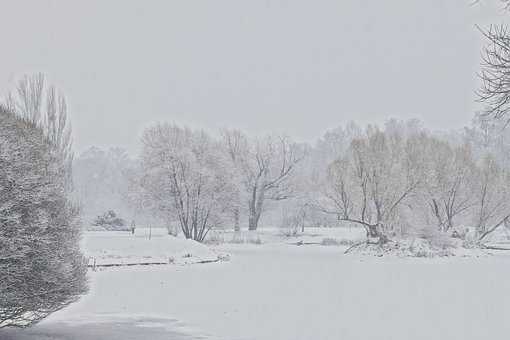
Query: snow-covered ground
x: 279, y: 291
x: 144, y: 247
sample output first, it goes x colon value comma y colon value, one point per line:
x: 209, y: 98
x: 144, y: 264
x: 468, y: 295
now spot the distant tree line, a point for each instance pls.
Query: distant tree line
x: 394, y: 182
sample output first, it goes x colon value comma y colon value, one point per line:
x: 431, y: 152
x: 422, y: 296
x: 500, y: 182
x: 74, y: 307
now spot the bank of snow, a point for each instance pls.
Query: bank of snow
x: 123, y: 248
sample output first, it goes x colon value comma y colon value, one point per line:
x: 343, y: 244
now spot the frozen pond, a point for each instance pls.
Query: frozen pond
x: 279, y: 291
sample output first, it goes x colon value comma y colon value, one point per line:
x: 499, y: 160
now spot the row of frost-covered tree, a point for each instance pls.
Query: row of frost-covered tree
x: 397, y: 181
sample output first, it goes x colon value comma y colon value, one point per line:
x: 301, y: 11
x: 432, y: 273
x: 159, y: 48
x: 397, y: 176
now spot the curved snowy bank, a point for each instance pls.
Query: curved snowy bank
x: 108, y: 249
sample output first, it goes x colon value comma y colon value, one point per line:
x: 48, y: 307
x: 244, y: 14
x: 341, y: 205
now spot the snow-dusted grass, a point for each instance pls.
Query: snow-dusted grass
x: 279, y: 291
x: 156, y: 246
x: 340, y: 236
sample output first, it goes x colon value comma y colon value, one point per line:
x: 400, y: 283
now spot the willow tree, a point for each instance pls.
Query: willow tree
x: 371, y: 184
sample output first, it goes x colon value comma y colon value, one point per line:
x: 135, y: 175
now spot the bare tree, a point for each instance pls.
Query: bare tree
x: 266, y: 166
x: 495, y: 73
x: 41, y: 104
x: 492, y: 197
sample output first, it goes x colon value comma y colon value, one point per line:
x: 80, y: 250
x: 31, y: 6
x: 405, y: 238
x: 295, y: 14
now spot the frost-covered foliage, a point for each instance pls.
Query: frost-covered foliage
x: 41, y: 267
x: 186, y: 178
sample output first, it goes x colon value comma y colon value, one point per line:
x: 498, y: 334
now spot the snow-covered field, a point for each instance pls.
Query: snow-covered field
x: 279, y: 291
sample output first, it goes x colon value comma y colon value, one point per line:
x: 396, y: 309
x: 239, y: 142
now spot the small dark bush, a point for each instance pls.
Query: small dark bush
x: 110, y: 221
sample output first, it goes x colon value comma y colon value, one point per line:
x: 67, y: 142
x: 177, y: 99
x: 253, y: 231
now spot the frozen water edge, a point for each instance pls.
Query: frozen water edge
x: 108, y: 328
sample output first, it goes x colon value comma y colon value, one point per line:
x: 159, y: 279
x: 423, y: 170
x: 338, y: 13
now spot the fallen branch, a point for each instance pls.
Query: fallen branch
x: 127, y: 264
x: 301, y: 243
x: 354, y: 246
x: 106, y: 265
x: 208, y: 261
x: 502, y: 222
x: 494, y: 248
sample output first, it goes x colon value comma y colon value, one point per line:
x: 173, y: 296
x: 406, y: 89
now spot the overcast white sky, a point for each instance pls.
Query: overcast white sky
x: 298, y: 67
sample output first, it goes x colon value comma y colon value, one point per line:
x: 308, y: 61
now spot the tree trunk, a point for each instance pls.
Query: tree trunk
x: 254, y: 217
x: 237, y: 227
x: 255, y: 209
x: 253, y: 220
x: 303, y: 219
x: 376, y: 235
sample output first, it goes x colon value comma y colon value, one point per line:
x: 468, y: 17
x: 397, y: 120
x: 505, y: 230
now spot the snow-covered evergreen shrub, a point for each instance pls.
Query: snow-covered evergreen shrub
x: 110, y: 221
x: 41, y: 267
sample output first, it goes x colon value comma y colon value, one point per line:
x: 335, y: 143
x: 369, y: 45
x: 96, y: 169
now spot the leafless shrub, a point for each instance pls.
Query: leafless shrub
x: 328, y: 241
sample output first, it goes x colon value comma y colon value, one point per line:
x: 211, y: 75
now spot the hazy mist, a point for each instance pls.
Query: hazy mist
x: 296, y: 67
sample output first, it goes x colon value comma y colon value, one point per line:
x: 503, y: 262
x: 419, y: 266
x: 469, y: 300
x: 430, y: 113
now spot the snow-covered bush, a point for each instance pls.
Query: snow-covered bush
x: 110, y: 221
x: 41, y: 267
x: 329, y: 241
x: 409, y: 247
x: 436, y: 238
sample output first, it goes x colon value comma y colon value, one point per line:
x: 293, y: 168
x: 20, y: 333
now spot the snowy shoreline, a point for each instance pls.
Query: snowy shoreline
x: 311, y: 292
